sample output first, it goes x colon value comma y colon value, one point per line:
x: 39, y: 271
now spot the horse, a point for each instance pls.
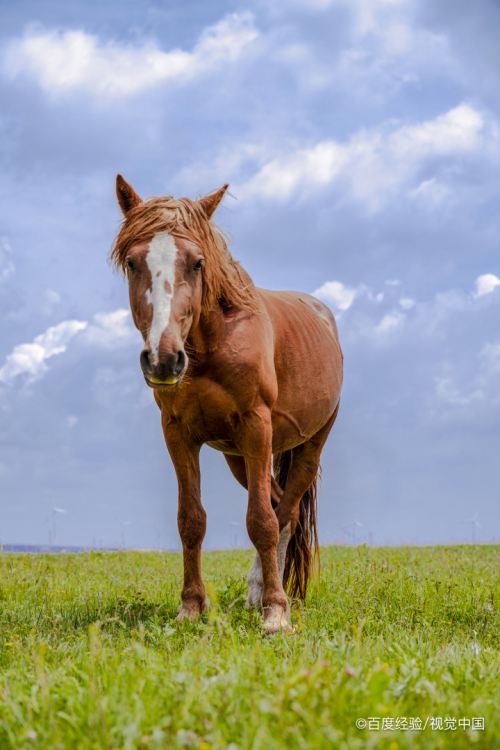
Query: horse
x: 253, y: 373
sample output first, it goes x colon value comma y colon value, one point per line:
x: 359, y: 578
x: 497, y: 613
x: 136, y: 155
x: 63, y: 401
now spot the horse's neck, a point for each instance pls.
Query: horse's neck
x: 208, y: 333
x: 204, y: 335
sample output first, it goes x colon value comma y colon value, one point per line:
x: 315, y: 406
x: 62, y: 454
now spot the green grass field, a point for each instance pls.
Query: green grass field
x: 90, y: 656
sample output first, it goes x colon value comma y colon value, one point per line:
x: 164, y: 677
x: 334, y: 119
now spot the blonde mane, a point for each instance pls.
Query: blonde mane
x: 225, y: 283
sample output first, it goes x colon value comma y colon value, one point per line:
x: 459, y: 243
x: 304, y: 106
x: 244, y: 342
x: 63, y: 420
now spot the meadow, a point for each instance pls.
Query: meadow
x: 90, y: 655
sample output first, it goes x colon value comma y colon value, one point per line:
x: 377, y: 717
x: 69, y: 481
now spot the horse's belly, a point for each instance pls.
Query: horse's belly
x: 225, y: 446
x: 292, y: 426
x: 308, y: 363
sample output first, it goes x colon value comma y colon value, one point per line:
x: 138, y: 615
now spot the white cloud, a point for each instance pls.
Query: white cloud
x: 30, y: 359
x: 62, y: 61
x: 490, y: 357
x: 337, y: 294
x: 390, y: 322
x: 482, y: 385
x: 485, y: 284
x: 372, y: 165
x: 107, y: 329
x: 448, y: 391
x: 432, y: 192
x: 6, y: 262
x: 110, y: 329
x: 407, y: 303
x: 431, y: 316
x: 459, y: 129
x: 308, y: 167
x: 52, y: 297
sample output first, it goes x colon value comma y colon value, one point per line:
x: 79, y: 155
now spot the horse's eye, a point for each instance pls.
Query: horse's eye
x: 130, y: 264
x: 198, y: 265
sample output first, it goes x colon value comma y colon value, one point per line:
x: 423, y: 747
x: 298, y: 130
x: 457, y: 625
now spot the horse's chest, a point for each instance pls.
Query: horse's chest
x: 208, y: 412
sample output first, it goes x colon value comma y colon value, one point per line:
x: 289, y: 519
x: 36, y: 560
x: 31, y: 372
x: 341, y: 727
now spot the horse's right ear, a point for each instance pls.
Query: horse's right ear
x: 127, y: 197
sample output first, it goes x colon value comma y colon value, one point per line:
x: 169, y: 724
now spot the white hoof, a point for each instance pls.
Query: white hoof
x: 276, y: 619
x: 191, y: 611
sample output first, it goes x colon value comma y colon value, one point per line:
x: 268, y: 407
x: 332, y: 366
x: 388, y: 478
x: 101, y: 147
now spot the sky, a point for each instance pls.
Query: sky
x: 361, y: 141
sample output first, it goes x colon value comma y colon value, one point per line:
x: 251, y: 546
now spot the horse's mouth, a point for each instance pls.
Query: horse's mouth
x: 168, y: 383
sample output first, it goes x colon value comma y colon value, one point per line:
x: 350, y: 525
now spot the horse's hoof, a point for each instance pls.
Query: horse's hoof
x: 276, y: 620
x: 191, y: 610
x: 187, y: 613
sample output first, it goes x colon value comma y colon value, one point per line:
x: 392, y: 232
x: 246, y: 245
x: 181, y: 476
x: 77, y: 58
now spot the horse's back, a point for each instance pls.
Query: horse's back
x: 308, y: 364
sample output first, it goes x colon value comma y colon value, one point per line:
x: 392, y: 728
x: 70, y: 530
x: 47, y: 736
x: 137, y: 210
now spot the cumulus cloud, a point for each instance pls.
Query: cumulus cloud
x: 110, y: 329
x: 407, y: 303
x: 62, y: 61
x: 432, y: 315
x: 30, y: 359
x: 337, y: 294
x: 374, y: 164
x: 486, y: 284
x: 390, y: 322
x: 341, y: 297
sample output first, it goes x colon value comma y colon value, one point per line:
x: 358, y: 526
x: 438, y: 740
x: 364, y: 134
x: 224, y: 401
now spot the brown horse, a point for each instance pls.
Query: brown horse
x: 251, y: 372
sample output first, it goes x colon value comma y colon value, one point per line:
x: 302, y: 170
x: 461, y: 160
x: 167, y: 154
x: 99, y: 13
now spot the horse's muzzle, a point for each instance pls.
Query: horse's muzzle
x: 168, y: 371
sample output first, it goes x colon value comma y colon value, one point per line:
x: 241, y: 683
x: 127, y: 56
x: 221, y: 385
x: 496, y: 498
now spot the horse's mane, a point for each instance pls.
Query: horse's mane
x: 225, y: 283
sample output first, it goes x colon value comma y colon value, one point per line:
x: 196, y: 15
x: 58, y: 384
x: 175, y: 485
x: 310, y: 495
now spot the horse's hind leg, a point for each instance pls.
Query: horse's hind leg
x: 237, y: 466
x: 255, y: 583
x: 301, y: 475
x: 255, y: 439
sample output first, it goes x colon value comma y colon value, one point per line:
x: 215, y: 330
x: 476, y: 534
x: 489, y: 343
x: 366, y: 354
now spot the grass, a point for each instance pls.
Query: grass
x: 90, y: 656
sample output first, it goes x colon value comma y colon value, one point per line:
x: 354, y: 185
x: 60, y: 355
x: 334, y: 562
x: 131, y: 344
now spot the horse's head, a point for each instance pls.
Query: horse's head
x: 165, y: 270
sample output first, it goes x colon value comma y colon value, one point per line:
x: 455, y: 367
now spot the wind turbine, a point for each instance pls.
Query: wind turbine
x: 235, y: 526
x: 56, y: 511
x: 475, y: 526
x: 124, y: 524
x: 351, y: 530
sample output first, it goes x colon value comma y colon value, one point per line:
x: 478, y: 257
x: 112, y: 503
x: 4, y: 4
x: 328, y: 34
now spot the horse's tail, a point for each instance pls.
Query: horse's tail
x: 303, y: 550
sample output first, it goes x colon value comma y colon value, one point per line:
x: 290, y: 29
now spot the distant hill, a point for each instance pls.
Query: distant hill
x: 45, y: 548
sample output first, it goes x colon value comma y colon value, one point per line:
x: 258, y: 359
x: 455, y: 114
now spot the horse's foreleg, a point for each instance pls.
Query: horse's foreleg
x: 191, y: 519
x: 262, y: 523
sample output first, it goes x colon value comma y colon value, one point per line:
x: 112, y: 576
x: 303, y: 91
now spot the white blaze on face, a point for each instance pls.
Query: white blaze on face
x: 160, y: 258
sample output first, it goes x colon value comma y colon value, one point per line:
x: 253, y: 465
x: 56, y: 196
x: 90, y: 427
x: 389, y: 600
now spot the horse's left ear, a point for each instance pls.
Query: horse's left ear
x: 210, y: 202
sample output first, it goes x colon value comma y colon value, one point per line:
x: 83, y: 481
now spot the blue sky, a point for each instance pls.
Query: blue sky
x: 361, y: 139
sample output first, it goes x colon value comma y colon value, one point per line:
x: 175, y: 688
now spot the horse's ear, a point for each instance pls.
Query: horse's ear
x: 210, y: 202
x: 127, y: 197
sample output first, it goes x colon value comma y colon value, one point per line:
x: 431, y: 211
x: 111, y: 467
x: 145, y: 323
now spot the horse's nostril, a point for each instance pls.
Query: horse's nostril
x: 181, y: 361
x: 145, y: 363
